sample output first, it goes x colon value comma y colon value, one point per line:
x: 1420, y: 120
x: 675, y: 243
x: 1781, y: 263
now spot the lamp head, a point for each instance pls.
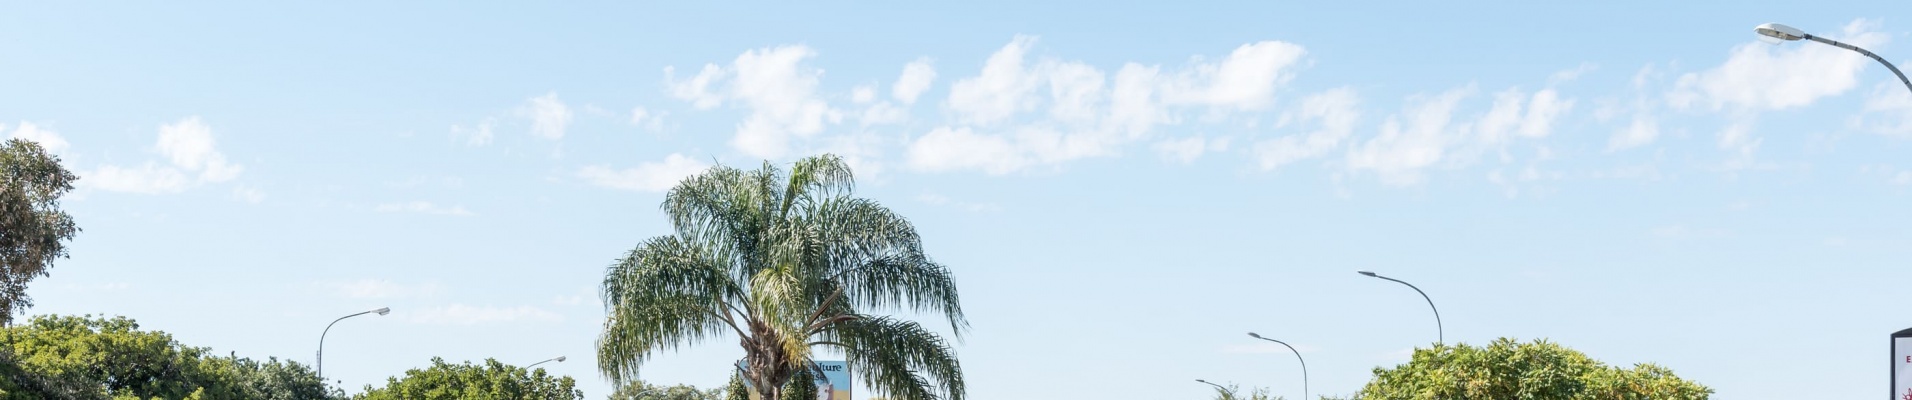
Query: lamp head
x: 1779, y: 31
x: 1202, y: 381
x: 383, y: 310
x: 560, y: 358
x: 1368, y: 273
x: 1254, y: 335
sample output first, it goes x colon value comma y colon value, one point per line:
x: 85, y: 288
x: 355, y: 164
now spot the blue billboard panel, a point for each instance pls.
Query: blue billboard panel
x: 832, y: 384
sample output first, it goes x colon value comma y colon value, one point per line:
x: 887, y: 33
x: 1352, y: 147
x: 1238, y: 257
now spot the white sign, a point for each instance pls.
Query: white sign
x: 1902, y: 368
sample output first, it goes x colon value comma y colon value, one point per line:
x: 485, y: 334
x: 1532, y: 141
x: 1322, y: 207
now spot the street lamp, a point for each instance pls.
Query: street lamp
x: 559, y: 359
x: 328, y: 329
x: 1304, y: 363
x: 1230, y: 393
x: 1787, y: 33
x: 1439, y: 330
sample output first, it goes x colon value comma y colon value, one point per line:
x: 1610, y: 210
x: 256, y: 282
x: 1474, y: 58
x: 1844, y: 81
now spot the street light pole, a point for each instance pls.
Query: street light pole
x: 1783, y: 32
x: 1230, y: 393
x: 1440, y: 331
x: 559, y: 359
x: 328, y: 329
x: 1304, y: 363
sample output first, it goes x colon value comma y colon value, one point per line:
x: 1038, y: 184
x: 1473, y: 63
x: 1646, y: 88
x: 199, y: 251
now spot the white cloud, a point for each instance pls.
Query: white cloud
x: 946, y: 149
x: 697, y: 89
x: 649, y: 120
x: 460, y: 314
x: 775, y: 86
x: 385, y: 289
x: 1571, y: 74
x: 1187, y: 150
x: 883, y: 113
x: 1133, y: 102
x: 1088, y: 114
x: 1763, y: 76
x: 48, y: 139
x: 424, y: 207
x: 1892, y: 175
x: 188, y: 147
x: 1003, y: 89
x: 1076, y: 92
x: 1246, y: 80
x: 1184, y: 150
x: 916, y: 79
x: 549, y: 116
x: 1335, y: 114
x: 1888, y: 109
x: 863, y: 94
x: 639, y: 114
x: 1642, y: 131
x: 1516, y: 113
x: 646, y: 177
x: 146, y: 179
x: 248, y: 194
x: 478, y: 135
x: 1402, y: 149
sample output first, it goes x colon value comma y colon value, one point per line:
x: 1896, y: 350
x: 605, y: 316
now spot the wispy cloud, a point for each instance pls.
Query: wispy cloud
x: 191, y: 155
x: 646, y: 177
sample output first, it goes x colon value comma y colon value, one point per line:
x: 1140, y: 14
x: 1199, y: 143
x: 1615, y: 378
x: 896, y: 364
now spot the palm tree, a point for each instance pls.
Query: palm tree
x: 790, y: 263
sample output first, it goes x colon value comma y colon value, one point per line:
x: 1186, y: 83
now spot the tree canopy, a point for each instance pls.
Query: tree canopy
x: 491, y: 380
x: 66, y: 357
x: 1539, y: 370
x: 639, y: 390
x: 33, y: 229
x: 788, y: 261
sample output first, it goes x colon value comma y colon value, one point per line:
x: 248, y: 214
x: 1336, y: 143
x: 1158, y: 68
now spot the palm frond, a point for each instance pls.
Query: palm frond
x: 899, y: 357
x: 663, y: 294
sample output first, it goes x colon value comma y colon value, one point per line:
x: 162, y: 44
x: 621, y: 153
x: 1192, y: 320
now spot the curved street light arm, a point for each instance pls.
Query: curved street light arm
x: 1881, y: 60
x: 1304, y: 363
x: 1217, y: 387
x: 558, y: 359
x: 1440, y: 331
x: 320, y: 366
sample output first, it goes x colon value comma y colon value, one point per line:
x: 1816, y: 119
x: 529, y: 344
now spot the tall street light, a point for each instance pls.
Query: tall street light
x: 1230, y: 393
x: 559, y: 359
x: 328, y: 329
x: 1783, y: 32
x: 1439, y: 330
x: 1304, y: 363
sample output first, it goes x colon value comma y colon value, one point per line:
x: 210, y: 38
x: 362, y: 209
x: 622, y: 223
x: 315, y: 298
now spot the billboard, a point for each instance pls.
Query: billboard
x: 1902, y: 365
x: 833, y: 384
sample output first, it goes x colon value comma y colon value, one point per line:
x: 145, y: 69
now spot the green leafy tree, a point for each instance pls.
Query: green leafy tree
x: 737, y: 390
x: 1233, y: 392
x: 802, y: 386
x: 33, y: 229
x: 638, y: 390
x: 67, y: 357
x: 1539, y: 370
x: 788, y: 261
x: 492, y: 380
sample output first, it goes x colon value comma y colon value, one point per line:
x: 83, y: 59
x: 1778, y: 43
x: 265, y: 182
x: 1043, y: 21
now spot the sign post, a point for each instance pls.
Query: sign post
x: 1902, y: 365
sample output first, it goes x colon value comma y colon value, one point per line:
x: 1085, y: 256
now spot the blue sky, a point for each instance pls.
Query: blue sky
x: 1123, y: 189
